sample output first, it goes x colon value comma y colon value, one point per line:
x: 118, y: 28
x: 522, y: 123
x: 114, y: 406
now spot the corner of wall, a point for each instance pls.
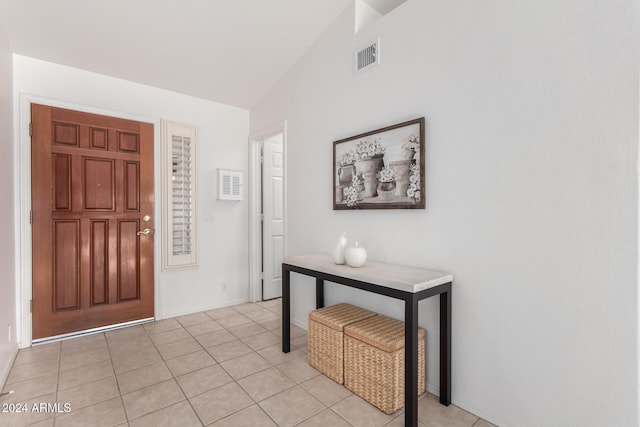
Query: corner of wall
x: 5, y: 366
x: 8, y: 345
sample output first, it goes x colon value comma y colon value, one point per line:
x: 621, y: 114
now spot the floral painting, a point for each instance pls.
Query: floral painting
x: 381, y: 169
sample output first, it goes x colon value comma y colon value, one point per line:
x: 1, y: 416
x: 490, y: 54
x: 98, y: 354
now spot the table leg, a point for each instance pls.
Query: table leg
x: 319, y: 293
x: 411, y: 361
x: 445, y: 347
x: 286, y: 311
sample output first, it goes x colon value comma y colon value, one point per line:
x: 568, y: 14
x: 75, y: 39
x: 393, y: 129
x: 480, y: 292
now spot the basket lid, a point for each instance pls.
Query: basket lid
x: 340, y: 315
x: 382, y: 332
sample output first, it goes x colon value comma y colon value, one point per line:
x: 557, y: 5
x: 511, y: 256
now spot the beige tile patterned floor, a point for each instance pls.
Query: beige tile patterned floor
x: 223, y: 367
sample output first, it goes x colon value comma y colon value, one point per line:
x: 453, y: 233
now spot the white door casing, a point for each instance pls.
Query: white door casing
x: 273, y: 219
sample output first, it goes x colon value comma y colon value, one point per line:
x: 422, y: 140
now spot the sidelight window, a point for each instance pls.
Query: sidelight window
x: 179, y: 195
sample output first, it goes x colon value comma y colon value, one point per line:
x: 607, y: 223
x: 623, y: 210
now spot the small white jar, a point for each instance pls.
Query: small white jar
x: 356, y: 256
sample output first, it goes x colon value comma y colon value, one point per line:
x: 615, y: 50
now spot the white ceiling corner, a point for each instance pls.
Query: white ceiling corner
x: 228, y: 51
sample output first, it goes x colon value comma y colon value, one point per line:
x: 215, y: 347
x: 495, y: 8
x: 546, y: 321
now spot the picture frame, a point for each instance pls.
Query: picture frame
x: 381, y: 169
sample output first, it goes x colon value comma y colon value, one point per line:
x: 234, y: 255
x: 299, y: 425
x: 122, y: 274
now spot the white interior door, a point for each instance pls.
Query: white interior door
x: 273, y: 223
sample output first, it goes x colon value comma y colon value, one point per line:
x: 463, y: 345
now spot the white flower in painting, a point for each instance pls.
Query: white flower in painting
x: 352, y: 192
x: 370, y: 148
x: 413, y: 144
x: 385, y: 175
x: 352, y: 199
x: 414, y: 183
x: 348, y: 158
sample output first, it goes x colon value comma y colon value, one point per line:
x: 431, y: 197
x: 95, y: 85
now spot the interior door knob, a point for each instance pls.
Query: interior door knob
x: 146, y: 232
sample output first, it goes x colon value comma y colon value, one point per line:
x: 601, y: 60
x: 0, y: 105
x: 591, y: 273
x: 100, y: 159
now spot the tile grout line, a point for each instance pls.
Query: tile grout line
x: 340, y: 401
x: 295, y: 384
x: 257, y: 403
x: 221, y: 367
x: 175, y: 378
x: 228, y: 373
x: 234, y: 380
x: 113, y: 368
x: 162, y: 360
x: 86, y: 365
x: 188, y: 399
x: 55, y: 416
x: 172, y: 374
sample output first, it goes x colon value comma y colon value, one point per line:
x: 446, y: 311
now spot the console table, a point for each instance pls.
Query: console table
x: 405, y: 283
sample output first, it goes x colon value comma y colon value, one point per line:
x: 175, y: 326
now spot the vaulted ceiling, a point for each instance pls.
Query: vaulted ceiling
x: 228, y: 51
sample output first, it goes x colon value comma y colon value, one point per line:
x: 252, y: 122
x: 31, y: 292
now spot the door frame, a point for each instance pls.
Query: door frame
x: 22, y: 202
x: 255, y: 201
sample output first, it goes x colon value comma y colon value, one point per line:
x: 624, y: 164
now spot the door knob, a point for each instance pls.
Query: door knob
x: 145, y: 232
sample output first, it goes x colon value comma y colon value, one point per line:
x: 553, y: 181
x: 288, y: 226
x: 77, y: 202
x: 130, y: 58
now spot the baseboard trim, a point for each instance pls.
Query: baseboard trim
x: 4, y: 370
x: 299, y: 324
x: 206, y: 308
x: 473, y: 409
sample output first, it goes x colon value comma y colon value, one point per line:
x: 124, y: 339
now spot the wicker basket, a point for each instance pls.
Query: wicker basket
x: 374, y: 361
x: 326, y: 337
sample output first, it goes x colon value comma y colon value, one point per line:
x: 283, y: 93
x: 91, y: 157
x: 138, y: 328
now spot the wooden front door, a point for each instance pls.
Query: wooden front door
x: 92, y: 195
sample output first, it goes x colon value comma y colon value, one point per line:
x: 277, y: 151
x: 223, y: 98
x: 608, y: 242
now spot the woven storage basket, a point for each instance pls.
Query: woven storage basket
x: 374, y: 361
x: 326, y: 337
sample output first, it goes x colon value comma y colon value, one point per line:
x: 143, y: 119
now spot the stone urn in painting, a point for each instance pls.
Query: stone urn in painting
x: 386, y: 184
x: 386, y: 191
x: 368, y: 167
x: 345, y: 174
x: 369, y: 163
x: 397, y: 153
x: 400, y: 171
x: 340, y: 193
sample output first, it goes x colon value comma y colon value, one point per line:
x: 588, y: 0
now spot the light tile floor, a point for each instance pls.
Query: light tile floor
x: 223, y: 367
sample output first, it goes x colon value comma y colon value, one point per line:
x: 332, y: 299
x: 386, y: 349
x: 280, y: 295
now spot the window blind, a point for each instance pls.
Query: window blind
x: 179, y: 195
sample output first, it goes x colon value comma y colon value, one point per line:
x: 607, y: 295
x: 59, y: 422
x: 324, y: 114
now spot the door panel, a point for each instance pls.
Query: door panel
x: 66, y: 265
x: 92, y: 182
x: 273, y: 225
x: 99, y: 254
x: 98, y: 186
x: 131, y: 186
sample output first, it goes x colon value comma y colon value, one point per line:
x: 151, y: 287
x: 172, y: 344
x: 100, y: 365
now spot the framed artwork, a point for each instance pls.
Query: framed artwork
x: 381, y: 169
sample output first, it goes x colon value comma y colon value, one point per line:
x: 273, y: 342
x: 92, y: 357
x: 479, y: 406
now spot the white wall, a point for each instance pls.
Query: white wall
x: 8, y: 347
x: 531, y: 182
x: 222, y: 276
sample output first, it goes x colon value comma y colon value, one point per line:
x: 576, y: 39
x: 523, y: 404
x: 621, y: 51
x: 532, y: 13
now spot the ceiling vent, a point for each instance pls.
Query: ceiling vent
x: 367, y: 56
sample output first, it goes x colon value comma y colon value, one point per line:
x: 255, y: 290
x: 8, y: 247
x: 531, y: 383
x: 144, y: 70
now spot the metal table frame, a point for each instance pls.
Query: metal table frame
x: 411, y: 300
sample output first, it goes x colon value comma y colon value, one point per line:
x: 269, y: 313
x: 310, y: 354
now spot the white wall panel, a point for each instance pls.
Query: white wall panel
x: 531, y: 191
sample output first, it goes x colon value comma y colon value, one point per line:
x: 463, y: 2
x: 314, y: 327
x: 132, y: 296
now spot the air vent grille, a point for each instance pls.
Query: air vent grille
x: 230, y: 185
x: 367, y: 56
